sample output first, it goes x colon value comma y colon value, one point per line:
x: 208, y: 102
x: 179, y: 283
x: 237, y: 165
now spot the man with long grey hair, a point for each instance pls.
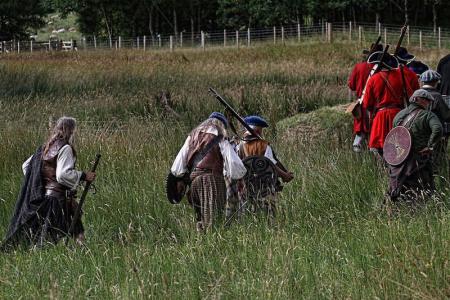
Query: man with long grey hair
x: 46, y: 203
x: 208, y: 156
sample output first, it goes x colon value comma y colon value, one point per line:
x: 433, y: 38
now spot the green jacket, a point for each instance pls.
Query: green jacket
x: 441, y: 109
x: 426, y: 129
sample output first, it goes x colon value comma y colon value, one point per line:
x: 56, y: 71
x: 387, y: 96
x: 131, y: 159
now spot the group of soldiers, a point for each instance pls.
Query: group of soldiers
x: 46, y: 210
x: 213, y: 161
x: 218, y: 167
x: 402, y: 118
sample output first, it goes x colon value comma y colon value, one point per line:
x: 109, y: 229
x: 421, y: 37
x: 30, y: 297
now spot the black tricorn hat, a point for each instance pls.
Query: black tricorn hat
x: 389, y: 61
x: 403, y: 56
x: 373, y: 48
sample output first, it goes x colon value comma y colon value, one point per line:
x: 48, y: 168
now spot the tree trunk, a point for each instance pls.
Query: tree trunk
x: 175, y: 24
x: 405, y: 2
x: 150, y: 24
x: 434, y: 16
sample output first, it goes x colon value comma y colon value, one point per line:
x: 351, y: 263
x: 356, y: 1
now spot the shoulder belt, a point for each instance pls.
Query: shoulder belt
x: 409, y: 120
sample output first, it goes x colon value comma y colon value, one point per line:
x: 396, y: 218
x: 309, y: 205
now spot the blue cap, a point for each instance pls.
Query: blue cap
x: 256, y: 121
x: 429, y: 76
x: 219, y: 116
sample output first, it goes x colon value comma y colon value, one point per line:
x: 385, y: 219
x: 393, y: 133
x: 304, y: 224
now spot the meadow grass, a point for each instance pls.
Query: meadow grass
x: 332, y: 237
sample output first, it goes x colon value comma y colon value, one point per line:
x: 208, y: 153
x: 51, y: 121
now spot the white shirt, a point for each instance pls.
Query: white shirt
x: 232, y: 164
x: 65, y: 168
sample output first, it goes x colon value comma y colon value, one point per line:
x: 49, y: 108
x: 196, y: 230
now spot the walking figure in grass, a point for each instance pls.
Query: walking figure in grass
x: 254, y: 146
x: 356, y: 83
x: 412, y: 178
x: 385, y: 97
x: 207, y: 156
x: 430, y: 80
x: 46, y: 203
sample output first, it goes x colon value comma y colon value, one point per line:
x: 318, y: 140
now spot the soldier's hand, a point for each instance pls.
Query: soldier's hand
x: 426, y: 151
x: 288, y: 177
x: 90, y: 176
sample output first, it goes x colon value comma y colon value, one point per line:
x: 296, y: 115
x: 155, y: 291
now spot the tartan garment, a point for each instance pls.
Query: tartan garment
x: 207, y: 196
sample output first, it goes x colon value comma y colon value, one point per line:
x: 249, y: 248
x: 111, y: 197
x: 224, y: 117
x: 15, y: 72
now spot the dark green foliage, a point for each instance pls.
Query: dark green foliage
x: 17, y: 17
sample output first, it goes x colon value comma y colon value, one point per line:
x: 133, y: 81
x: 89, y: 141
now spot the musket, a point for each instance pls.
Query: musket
x: 234, y: 113
x: 241, y: 120
x: 376, y: 68
x: 87, y: 186
x: 372, y: 49
x: 397, y: 48
x: 400, y: 40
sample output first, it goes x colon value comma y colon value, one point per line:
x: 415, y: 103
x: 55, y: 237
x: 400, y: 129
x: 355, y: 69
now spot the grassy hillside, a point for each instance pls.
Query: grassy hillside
x: 332, y: 237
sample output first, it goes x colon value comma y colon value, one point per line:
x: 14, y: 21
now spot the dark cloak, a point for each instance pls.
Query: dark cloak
x: 443, y: 68
x: 37, y: 218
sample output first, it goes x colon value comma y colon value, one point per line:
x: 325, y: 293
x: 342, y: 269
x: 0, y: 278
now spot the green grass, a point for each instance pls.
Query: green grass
x: 332, y: 237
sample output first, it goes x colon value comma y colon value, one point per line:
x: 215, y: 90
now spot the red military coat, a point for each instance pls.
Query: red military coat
x: 384, y: 99
x: 357, y: 82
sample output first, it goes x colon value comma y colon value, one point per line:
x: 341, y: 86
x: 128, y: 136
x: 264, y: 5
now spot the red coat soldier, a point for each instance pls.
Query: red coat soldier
x: 383, y: 98
x: 356, y: 83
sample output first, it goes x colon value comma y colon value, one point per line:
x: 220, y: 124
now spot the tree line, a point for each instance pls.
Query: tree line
x: 151, y: 17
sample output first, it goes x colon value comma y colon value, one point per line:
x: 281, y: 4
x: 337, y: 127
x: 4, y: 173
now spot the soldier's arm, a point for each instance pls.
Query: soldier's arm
x: 232, y: 163
x: 65, y: 168
x: 179, y: 166
x: 26, y: 164
x: 436, y: 129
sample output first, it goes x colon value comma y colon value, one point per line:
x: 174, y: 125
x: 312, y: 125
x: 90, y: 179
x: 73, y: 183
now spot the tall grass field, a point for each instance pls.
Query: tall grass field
x: 332, y: 237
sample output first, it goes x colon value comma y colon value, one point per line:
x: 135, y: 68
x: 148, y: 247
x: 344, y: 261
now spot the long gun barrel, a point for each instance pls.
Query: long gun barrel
x: 241, y: 120
x: 234, y: 113
x: 77, y: 214
x: 400, y: 40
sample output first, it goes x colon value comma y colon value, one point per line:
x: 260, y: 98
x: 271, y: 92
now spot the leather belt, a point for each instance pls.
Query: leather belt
x: 55, y: 194
x: 388, y: 107
x: 60, y: 194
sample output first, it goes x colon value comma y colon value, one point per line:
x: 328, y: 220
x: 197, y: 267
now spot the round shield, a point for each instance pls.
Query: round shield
x: 175, y: 188
x: 397, y: 145
x: 261, y: 177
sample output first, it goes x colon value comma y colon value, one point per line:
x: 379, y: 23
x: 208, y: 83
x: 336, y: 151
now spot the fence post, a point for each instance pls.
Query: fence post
x: 274, y: 35
x: 145, y: 42
x: 31, y: 46
x: 323, y: 30
x: 282, y: 35
x: 202, y: 39
x: 171, y: 43
x: 407, y: 31
x: 330, y: 32
x: 18, y: 46
x: 137, y: 42
x: 439, y: 37
x: 299, y: 32
x: 50, y: 44
x: 110, y: 42
x: 181, y: 39
x: 420, y: 40
x: 379, y: 28
x: 120, y: 42
x: 237, y: 39
x: 248, y: 37
x: 385, y: 36
x: 360, y: 34
x: 159, y: 41
x: 224, y: 37
x: 350, y: 31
